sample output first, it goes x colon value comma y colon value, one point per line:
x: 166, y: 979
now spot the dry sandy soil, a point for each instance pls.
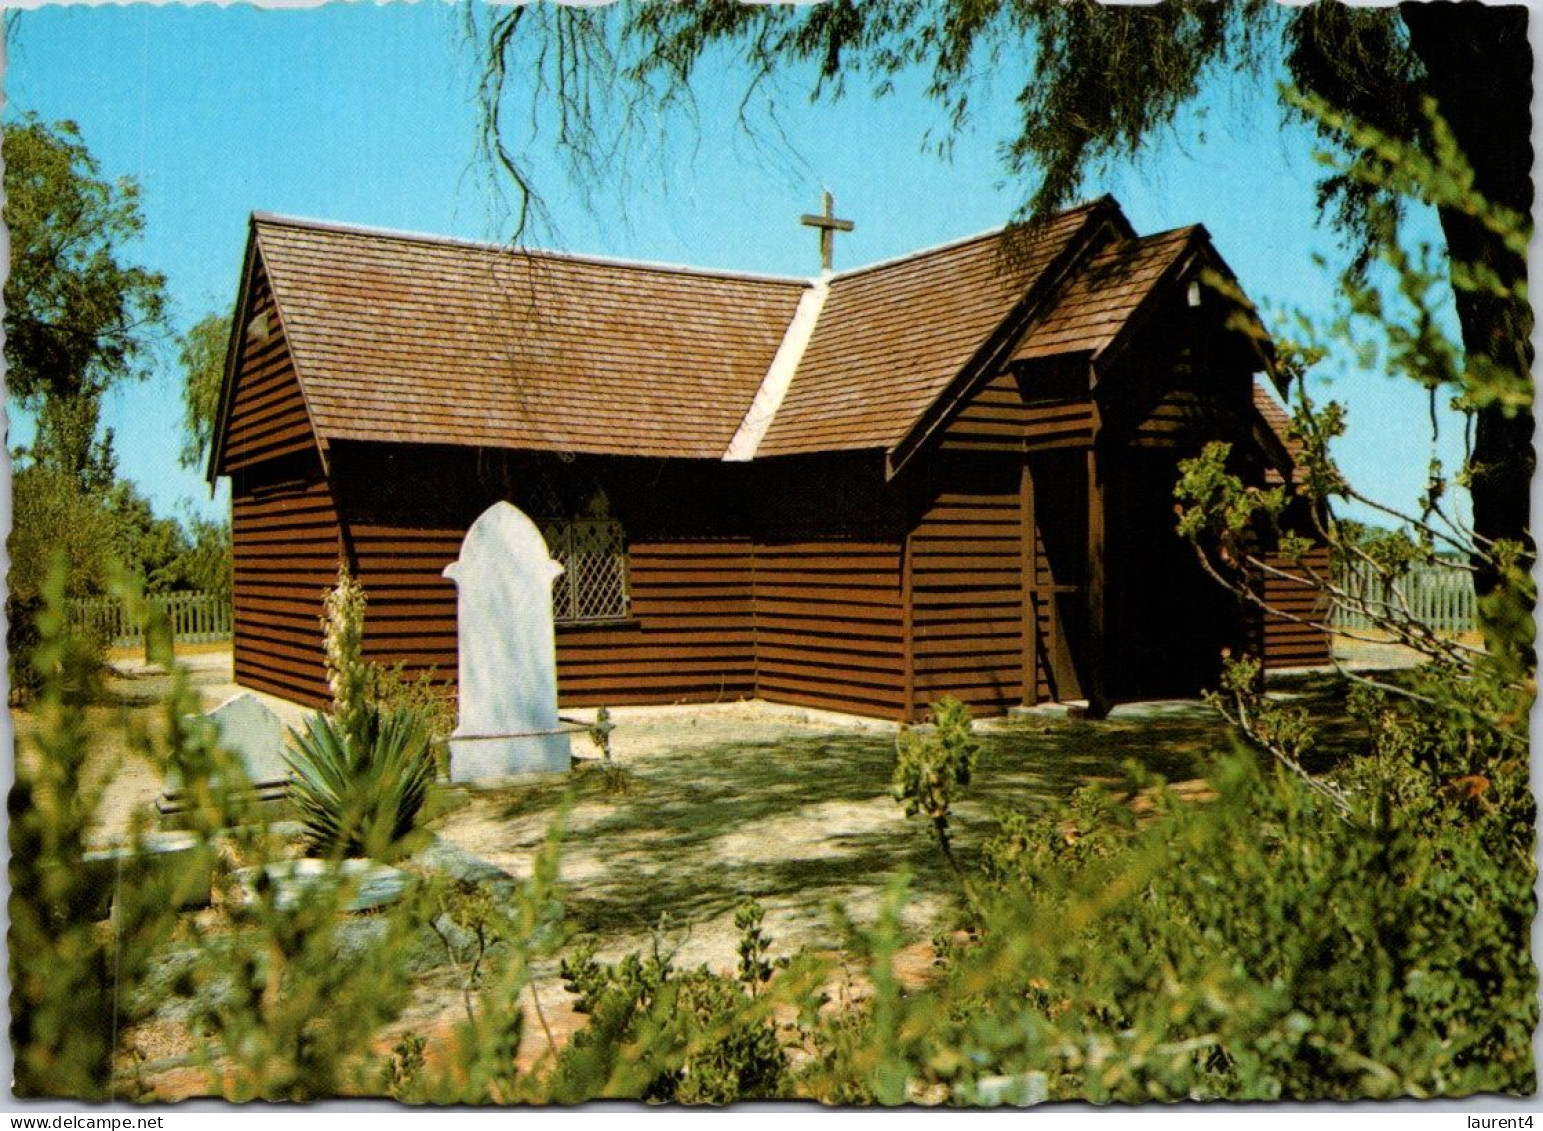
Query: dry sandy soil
x: 722, y: 802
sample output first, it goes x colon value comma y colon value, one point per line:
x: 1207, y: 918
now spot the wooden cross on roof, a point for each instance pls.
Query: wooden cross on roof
x: 829, y: 226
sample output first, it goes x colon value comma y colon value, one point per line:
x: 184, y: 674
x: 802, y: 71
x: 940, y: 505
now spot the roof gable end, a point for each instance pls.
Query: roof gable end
x: 260, y: 369
x: 896, y: 338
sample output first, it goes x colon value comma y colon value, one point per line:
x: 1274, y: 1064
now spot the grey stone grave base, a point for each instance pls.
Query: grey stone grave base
x: 371, y: 883
x: 189, y: 862
x: 484, y: 761
x: 270, y: 800
x: 254, y: 734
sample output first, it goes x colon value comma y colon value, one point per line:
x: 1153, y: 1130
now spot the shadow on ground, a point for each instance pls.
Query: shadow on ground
x: 805, y: 820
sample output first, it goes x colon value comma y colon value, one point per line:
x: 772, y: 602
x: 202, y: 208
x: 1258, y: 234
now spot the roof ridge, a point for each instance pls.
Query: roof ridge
x: 961, y: 241
x: 656, y: 266
x: 1187, y: 231
x: 407, y: 236
x: 762, y: 412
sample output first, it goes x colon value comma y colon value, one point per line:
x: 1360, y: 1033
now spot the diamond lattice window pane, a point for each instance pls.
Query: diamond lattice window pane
x: 593, y: 585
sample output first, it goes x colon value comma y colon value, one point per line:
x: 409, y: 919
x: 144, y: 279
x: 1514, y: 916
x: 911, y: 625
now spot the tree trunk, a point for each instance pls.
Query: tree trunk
x: 1478, y: 68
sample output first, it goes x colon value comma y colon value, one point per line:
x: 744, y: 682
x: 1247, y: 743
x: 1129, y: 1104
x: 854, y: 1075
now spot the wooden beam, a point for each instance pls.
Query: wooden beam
x: 1096, y: 690
x: 908, y: 621
x: 1029, y: 572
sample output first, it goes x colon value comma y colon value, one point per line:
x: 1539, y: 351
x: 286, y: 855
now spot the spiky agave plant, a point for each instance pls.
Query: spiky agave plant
x: 360, y: 794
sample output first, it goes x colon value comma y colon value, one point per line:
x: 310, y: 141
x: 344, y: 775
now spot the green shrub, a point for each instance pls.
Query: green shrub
x: 62, y: 969
x: 359, y: 776
x: 360, y: 794
x: 76, y: 983
x: 54, y: 521
x: 430, y: 698
x: 1256, y: 946
x: 931, y: 767
x: 661, y: 1035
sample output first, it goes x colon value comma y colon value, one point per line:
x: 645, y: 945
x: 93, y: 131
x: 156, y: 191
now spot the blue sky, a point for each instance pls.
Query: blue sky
x: 363, y: 114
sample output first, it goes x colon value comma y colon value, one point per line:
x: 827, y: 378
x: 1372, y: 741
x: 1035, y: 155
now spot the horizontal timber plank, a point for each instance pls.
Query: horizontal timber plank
x: 808, y: 616
x: 623, y: 671
x: 603, y: 697
x: 829, y: 697
x: 823, y: 658
x: 830, y: 701
x: 1007, y: 642
x: 834, y: 637
x: 886, y: 597
x: 974, y: 610
x: 573, y: 681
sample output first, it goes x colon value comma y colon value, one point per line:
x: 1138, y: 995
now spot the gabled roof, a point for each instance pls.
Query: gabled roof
x: 411, y: 339
x: 1278, y: 421
x: 415, y: 339
x: 1097, y: 305
x: 892, y: 337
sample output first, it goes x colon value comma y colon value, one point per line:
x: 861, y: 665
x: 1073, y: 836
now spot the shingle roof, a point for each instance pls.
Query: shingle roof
x: 1279, y: 421
x: 892, y: 337
x: 1099, y: 301
x: 416, y: 339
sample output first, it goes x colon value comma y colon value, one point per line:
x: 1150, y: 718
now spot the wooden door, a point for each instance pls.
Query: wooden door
x: 1055, y: 582
x: 1167, y: 620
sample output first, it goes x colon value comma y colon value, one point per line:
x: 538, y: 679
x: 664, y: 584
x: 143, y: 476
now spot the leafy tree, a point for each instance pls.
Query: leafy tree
x: 1095, y: 82
x: 207, y: 565
x: 1468, y: 706
x: 202, y: 357
x: 67, y: 440
x: 78, y: 317
x: 52, y: 517
x: 152, y: 548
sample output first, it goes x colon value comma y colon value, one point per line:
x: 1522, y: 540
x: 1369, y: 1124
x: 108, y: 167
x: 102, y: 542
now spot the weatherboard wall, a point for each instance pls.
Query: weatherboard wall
x: 688, y: 636
x: 828, y: 584
x: 286, y: 541
x: 1287, y: 642
x: 967, y: 591
x: 267, y: 413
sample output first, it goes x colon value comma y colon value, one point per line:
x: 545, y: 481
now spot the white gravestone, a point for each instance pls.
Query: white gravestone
x: 507, y: 652
x: 250, y: 730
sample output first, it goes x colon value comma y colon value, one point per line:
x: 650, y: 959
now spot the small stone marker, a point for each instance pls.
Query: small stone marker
x: 507, y: 652
x: 249, y: 729
x: 176, y: 860
x: 370, y: 884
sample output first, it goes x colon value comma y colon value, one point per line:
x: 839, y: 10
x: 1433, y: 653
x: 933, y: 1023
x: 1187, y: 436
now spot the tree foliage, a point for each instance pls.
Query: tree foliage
x: 1094, y: 83
x: 202, y: 358
x: 1471, y: 703
x: 79, y: 317
x: 53, y: 520
x: 208, y: 565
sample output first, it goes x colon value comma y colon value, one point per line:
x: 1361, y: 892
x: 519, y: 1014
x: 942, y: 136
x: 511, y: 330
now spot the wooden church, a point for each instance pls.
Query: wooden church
x: 946, y: 474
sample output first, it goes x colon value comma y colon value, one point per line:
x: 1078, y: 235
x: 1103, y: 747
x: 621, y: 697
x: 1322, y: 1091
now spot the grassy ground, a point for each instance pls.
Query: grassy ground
x: 799, y: 820
x: 791, y: 810
x: 719, y: 804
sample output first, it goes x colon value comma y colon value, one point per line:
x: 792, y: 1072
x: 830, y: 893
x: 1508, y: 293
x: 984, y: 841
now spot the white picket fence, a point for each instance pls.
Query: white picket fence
x: 195, y: 618
x: 1438, y: 595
